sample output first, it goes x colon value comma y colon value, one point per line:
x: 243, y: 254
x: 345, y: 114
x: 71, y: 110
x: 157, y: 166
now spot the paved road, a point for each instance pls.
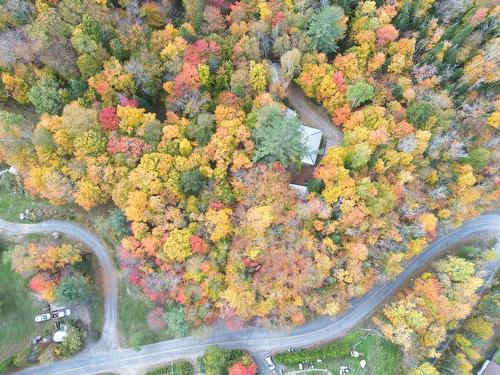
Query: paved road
x: 255, y: 340
x: 108, y: 339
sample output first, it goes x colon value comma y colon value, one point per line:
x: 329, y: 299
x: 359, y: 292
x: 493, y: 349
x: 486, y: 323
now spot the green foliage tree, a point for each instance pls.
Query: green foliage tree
x: 118, y: 223
x: 176, y: 320
x: 277, y: 138
x: 419, y: 112
x: 360, y: 93
x: 46, y: 97
x: 327, y: 27
x: 192, y: 182
x: 73, y: 290
x: 202, y: 129
x: 216, y: 361
x: 315, y: 185
x: 457, y: 269
x: 88, y: 65
x: 478, y: 158
x: 490, y: 306
x: 90, y: 142
x: 405, y: 16
x: 153, y: 131
x: 358, y: 157
x: 43, y: 139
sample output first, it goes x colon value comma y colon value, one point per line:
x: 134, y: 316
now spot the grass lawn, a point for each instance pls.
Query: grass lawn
x: 133, y: 308
x: 173, y: 368
x: 18, y: 309
x: 381, y: 356
x: 12, y: 204
x: 496, y: 357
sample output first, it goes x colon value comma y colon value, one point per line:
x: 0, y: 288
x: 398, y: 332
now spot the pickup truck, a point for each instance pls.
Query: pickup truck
x: 60, y: 313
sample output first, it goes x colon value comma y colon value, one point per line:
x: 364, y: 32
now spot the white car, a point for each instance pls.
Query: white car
x: 270, y: 362
x: 42, y: 318
x: 61, y: 313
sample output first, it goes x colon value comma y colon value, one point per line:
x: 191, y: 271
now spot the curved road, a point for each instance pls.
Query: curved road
x: 108, y: 339
x: 255, y: 340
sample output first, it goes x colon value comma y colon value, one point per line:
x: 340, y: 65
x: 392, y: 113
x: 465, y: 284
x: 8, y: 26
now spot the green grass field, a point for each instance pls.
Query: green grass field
x: 173, y: 368
x: 496, y: 357
x: 17, y: 308
x: 11, y: 205
x: 381, y: 356
x: 133, y: 308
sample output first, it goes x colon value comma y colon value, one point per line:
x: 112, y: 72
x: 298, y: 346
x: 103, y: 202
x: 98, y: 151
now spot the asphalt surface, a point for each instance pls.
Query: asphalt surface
x: 108, y: 339
x: 256, y: 340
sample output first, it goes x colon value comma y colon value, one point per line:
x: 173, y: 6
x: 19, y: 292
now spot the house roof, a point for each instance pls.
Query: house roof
x: 311, y: 139
x: 301, y: 190
x: 489, y: 368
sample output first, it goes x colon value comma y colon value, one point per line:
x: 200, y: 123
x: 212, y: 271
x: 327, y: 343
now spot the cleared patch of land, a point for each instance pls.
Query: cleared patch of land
x: 133, y: 309
x: 381, y: 356
x: 17, y: 308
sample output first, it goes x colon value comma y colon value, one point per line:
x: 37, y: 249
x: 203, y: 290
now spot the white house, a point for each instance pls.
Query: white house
x: 311, y: 139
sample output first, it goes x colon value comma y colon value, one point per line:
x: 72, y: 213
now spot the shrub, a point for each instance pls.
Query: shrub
x: 72, y: 343
x: 315, y: 185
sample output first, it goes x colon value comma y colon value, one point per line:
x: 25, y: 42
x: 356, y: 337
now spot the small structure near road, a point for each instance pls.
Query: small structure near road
x: 59, y: 336
x: 311, y: 139
x: 490, y: 367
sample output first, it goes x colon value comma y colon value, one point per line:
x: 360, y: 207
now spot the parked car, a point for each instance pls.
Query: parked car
x: 42, y: 318
x: 61, y: 313
x: 270, y: 362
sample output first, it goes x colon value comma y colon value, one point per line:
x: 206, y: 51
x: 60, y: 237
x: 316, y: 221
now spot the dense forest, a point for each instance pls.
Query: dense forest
x: 169, y: 112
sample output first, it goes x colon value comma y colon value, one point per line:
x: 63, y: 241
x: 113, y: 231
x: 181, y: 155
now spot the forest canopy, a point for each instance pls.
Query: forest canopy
x: 172, y: 114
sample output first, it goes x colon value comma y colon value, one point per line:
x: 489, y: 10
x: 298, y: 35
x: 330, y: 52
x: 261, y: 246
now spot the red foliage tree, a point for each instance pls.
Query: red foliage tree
x: 108, y: 119
x: 127, y: 145
x: 43, y: 285
x: 186, y: 80
x: 128, y: 102
x: 240, y: 369
x: 198, y: 245
x: 155, y: 319
x: 386, y: 34
x: 198, y: 52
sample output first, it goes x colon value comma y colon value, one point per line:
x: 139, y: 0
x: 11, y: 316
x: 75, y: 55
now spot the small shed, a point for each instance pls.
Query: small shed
x: 301, y: 190
x: 59, y: 336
